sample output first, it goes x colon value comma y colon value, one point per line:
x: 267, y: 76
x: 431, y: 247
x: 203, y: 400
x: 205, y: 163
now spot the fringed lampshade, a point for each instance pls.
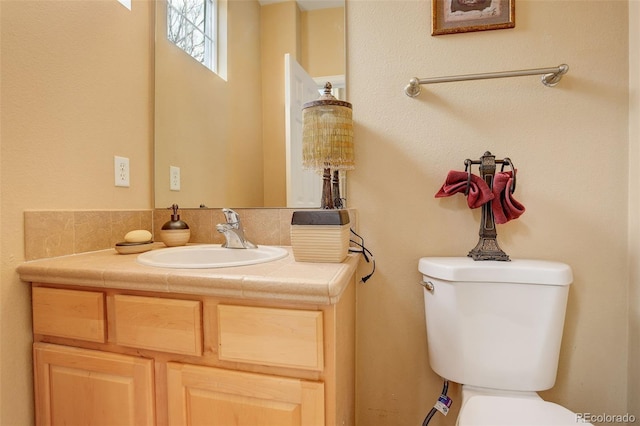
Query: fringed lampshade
x: 327, y: 142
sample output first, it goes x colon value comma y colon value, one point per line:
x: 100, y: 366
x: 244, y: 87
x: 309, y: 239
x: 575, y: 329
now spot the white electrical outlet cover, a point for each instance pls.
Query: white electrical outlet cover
x: 121, y: 171
x: 174, y: 178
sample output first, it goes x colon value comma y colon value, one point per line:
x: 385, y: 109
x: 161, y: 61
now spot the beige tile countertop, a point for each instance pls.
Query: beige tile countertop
x: 284, y: 279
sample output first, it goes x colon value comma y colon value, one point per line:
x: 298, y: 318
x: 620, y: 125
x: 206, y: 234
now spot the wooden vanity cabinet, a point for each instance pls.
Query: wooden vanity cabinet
x: 116, y: 357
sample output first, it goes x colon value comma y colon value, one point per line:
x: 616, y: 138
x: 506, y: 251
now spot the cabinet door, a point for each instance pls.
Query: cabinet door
x: 84, y: 387
x: 216, y: 397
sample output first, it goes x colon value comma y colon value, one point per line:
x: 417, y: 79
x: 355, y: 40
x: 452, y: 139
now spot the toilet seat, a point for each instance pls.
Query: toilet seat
x: 508, y: 411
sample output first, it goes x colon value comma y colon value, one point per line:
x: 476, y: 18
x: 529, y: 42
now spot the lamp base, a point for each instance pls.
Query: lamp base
x: 335, y: 185
x: 327, y: 199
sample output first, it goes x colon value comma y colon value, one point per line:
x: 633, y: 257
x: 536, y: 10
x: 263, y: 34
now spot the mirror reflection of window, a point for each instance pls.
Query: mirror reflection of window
x: 191, y: 25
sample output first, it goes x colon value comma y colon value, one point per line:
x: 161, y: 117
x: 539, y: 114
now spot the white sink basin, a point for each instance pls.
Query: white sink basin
x: 209, y: 256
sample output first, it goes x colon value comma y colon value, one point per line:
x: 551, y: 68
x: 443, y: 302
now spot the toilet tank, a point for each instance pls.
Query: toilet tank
x: 495, y: 324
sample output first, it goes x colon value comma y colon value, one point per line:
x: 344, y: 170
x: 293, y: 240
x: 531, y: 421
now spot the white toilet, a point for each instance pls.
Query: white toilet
x: 496, y: 327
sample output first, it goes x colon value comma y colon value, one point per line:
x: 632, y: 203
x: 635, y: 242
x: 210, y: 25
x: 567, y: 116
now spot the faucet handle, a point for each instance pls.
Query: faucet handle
x: 231, y: 216
x: 233, y: 232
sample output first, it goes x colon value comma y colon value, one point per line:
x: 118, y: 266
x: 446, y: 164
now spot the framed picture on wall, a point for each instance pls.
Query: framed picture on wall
x: 462, y: 16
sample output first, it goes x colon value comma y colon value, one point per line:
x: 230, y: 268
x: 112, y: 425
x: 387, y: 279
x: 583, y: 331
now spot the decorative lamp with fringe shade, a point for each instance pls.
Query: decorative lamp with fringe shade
x: 327, y: 143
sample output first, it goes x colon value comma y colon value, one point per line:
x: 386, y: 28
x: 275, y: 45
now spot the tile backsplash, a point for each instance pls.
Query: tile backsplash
x: 268, y: 226
x: 58, y: 233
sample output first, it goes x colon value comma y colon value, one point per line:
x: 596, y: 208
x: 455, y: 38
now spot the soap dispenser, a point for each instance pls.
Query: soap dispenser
x: 175, y: 232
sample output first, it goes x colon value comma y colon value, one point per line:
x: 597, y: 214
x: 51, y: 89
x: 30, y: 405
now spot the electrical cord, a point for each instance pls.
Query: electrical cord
x: 364, y: 252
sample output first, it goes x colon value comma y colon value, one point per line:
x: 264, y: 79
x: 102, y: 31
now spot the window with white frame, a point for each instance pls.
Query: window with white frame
x: 191, y: 25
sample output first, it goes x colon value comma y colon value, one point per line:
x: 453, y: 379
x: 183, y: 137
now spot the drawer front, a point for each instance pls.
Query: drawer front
x: 268, y: 336
x: 166, y: 325
x: 69, y: 313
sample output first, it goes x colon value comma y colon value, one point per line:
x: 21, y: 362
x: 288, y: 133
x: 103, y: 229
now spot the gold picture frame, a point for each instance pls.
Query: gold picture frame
x: 462, y: 16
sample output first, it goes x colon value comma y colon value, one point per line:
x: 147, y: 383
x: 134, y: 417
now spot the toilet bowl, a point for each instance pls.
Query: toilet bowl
x: 503, y: 411
x: 493, y: 407
x: 496, y: 327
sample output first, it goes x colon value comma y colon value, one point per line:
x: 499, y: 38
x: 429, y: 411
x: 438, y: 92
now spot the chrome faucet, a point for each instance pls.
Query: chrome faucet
x: 233, y: 231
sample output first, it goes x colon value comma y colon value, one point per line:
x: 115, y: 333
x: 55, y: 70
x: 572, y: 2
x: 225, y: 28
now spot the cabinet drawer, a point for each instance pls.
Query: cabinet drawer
x: 69, y: 313
x: 268, y: 336
x: 167, y: 325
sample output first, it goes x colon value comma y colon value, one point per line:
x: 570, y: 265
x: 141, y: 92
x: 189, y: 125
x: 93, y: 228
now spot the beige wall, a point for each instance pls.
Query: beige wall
x: 76, y: 90
x: 323, y: 42
x: 570, y: 144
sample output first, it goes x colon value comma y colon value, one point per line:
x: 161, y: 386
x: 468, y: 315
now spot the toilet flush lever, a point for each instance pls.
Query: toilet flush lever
x: 428, y: 285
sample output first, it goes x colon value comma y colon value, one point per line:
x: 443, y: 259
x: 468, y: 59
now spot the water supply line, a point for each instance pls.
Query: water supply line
x: 442, y: 405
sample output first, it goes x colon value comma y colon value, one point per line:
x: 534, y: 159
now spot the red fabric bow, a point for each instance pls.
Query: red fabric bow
x: 504, y: 206
x: 479, y: 192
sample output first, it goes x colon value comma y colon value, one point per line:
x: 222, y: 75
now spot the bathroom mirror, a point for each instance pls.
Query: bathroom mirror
x: 220, y: 138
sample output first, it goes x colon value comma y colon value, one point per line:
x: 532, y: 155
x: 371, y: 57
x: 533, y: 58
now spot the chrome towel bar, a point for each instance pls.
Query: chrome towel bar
x: 550, y: 77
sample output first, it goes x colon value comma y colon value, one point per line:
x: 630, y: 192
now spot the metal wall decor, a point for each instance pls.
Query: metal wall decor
x: 461, y: 16
x: 493, y: 192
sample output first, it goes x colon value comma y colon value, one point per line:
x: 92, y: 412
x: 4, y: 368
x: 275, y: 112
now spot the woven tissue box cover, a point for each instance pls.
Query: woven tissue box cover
x: 320, y: 235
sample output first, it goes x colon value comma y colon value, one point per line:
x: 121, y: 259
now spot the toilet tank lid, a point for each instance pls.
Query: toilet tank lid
x: 524, y: 271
